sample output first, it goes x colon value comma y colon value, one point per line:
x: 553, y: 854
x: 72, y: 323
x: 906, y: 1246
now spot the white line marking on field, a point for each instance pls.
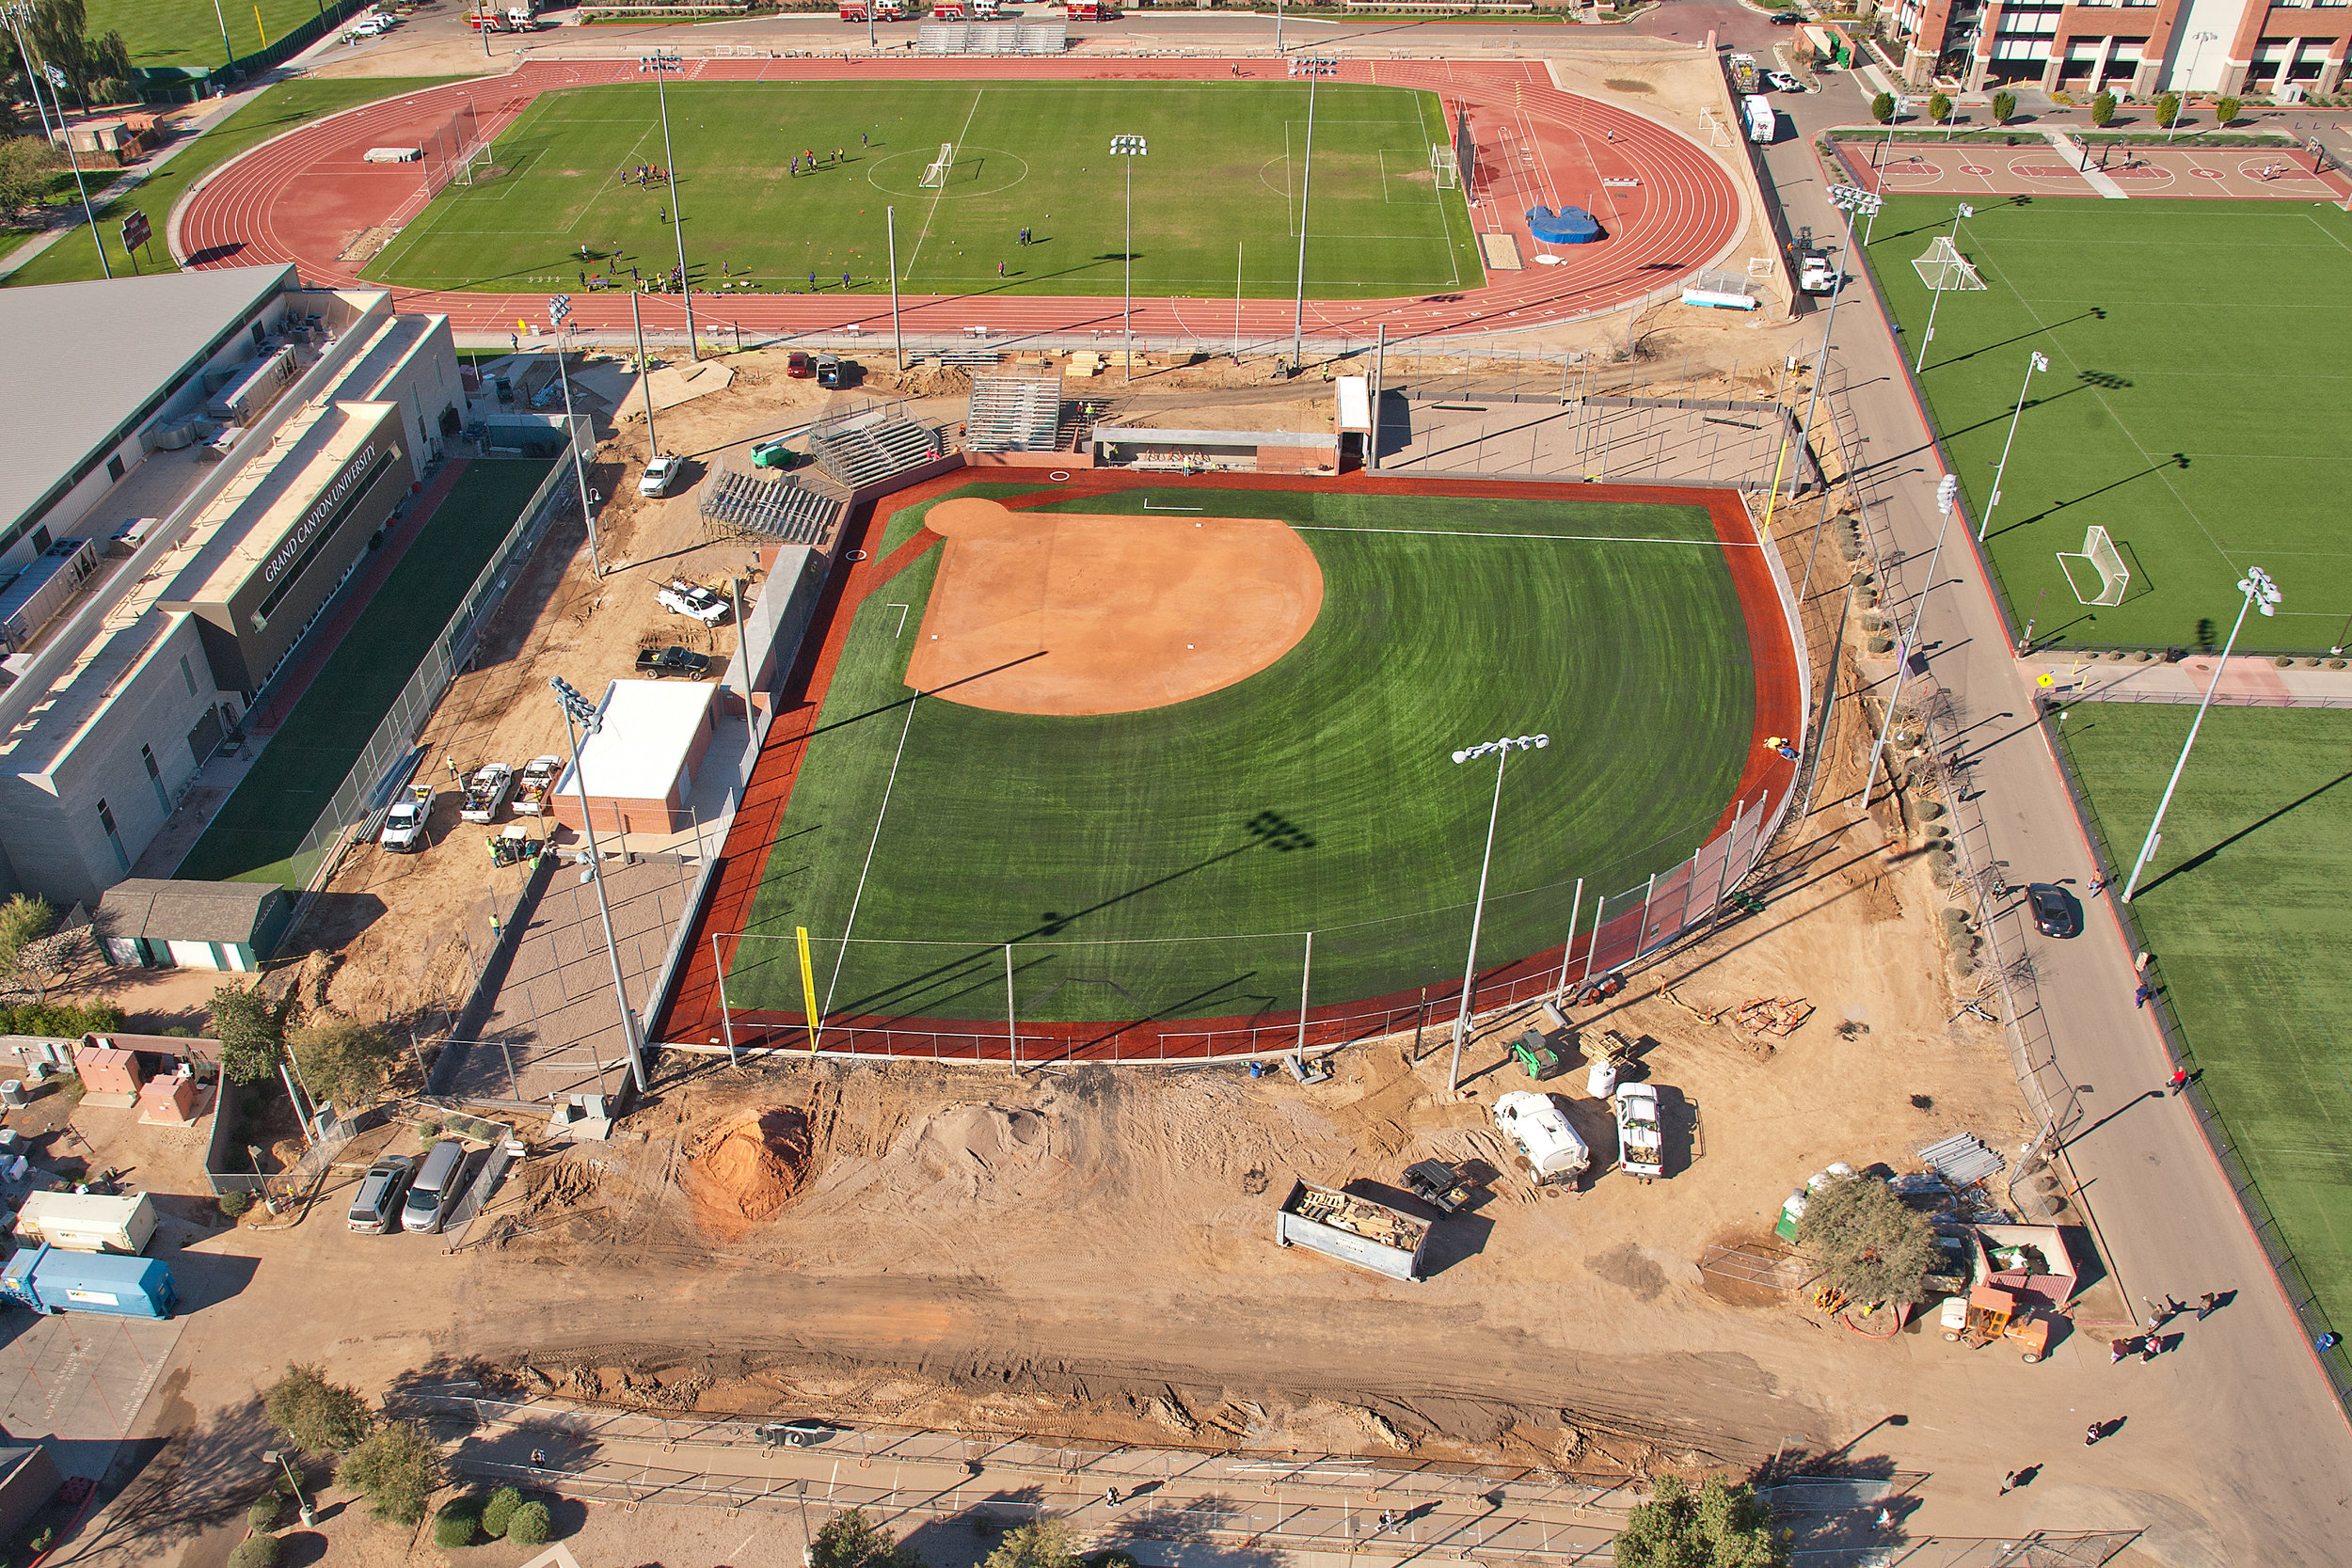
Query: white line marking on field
x: 855, y: 898
x: 942, y: 193
x: 1567, y: 538
x: 1149, y: 507
x: 902, y: 619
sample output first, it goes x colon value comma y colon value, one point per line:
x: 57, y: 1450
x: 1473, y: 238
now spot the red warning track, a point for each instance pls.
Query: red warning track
x: 694, y: 1014
x: 1668, y: 207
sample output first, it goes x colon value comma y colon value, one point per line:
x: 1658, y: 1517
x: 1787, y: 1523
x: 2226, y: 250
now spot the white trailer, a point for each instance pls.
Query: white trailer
x: 1555, y: 1154
x: 1761, y: 120
x: 1353, y: 1230
x: 87, y: 1222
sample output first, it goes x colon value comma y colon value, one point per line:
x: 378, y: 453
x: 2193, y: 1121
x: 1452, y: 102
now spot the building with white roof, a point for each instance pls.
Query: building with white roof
x: 640, y: 763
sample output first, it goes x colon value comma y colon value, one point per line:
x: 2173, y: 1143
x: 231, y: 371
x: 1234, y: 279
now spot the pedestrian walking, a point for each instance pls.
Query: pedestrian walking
x: 1111, y: 1497
x: 2117, y: 1350
x: 2140, y: 997
x: 538, y: 1458
x: 2208, y: 1303
x: 2093, y: 1434
x: 2179, y: 1079
x: 583, y: 278
x: 1000, y: 269
x: 2328, y: 1340
x: 845, y: 280
x: 2151, y: 1350
x: 515, y: 341
x: 811, y: 283
x: 2098, y: 886
x: 2008, y: 1482
x: 661, y: 214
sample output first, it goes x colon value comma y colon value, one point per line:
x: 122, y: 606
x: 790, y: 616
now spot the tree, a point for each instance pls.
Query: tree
x: 23, y: 919
x: 1719, y: 1526
x: 1883, y: 107
x: 34, y: 956
x: 27, y: 166
x: 1939, y: 108
x: 2004, y: 106
x: 58, y: 32
x: 2225, y: 111
x: 342, y: 1060
x: 1041, y: 1544
x: 1868, y: 1245
x: 397, y: 1469
x: 850, y: 1540
x: 2103, y: 110
x: 2169, y: 110
x: 251, y: 1029
x: 531, y: 1524
x: 255, y: 1551
x: 318, y: 1417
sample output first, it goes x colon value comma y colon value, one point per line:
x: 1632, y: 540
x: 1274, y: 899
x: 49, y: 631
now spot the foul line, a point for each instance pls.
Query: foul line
x: 1567, y: 538
x: 851, y: 924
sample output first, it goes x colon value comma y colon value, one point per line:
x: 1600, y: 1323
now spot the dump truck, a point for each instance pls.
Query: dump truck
x: 50, y: 1279
x: 534, y: 797
x: 1555, y: 1156
x: 1353, y: 1230
x: 486, y: 790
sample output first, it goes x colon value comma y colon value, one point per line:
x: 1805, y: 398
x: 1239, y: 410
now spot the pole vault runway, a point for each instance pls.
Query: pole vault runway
x: 1668, y: 208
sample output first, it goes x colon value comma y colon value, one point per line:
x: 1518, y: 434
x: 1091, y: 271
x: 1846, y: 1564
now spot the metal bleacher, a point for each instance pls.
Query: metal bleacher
x: 1013, y: 412
x: 788, y: 511
x: 992, y: 38
x: 869, y: 448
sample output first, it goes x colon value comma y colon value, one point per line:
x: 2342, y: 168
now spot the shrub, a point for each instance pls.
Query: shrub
x: 2103, y: 110
x: 234, y: 1204
x: 1939, y: 108
x: 2169, y: 110
x: 2283, y: 662
x: 2004, y: 106
x: 1882, y: 644
x: 530, y: 1526
x: 2225, y: 111
x: 255, y: 1551
x: 1883, y: 107
x: 263, y: 1515
x: 498, y: 1509
x: 459, y: 1522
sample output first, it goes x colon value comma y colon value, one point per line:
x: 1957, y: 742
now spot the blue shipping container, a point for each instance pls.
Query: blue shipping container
x: 48, y: 1281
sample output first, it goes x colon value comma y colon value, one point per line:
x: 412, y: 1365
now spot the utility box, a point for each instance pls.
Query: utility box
x: 49, y: 1280
x: 87, y: 1222
x: 1353, y: 1230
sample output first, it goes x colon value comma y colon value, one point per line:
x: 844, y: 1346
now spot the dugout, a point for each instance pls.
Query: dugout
x: 1192, y: 452
x: 293, y: 529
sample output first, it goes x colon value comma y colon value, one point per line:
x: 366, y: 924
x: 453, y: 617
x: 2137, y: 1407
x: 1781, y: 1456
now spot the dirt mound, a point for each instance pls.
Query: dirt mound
x: 746, y: 1168
x: 966, y: 1144
x: 931, y: 379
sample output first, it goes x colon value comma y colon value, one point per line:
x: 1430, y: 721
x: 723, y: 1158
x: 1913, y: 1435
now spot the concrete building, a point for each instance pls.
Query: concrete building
x: 233, y: 441
x: 147, y: 923
x: 2250, y: 48
x: 640, y: 763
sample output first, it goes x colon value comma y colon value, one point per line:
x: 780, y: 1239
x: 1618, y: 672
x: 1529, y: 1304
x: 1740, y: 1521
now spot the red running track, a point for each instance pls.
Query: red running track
x: 306, y: 196
x: 694, y: 1014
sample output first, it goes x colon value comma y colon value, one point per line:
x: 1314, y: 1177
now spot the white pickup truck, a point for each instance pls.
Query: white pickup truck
x: 533, y: 796
x: 1641, y: 1137
x: 407, y: 825
x: 681, y: 597
x: 486, y: 790
x: 1555, y: 1154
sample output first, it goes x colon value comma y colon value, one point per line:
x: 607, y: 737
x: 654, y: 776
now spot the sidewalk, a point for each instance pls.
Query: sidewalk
x: 2251, y: 680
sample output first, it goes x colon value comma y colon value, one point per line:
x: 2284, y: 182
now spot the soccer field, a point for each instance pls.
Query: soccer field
x: 2244, y: 909
x: 1169, y: 863
x: 1217, y: 194
x: 2197, y: 404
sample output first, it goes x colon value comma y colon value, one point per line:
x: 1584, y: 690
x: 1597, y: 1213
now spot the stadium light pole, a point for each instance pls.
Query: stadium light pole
x: 1127, y: 149
x: 2201, y: 40
x: 661, y: 65
x: 1946, y: 502
x: 227, y: 52
x: 1935, y: 296
x: 1502, y: 749
x: 1878, y: 175
x: 56, y: 96
x: 2263, y: 595
x: 1848, y: 200
x: 558, y: 307
x: 580, y: 714
x: 2038, y: 362
x: 897, y: 339
x: 1316, y: 67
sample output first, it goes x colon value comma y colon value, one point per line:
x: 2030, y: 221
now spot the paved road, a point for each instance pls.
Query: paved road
x: 2277, y: 1463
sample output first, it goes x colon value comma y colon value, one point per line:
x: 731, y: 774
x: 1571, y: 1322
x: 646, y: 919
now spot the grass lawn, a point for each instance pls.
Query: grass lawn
x: 1167, y: 862
x: 2198, y: 404
x: 2244, y: 909
x: 260, y: 827
x: 187, y: 32
x: 1219, y: 186
x: 72, y: 259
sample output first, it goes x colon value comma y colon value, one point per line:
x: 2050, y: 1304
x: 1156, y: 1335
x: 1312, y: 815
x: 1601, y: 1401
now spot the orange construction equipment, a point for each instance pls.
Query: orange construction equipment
x: 1993, y: 1313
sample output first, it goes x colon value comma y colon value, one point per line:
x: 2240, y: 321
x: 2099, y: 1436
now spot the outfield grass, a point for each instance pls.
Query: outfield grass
x: 2196, y: 405
x: 1169, y: 863
x: 72, y: 259
x: 2244, y: 909
x: 261, y: 824
x: 1219, y: 188
x: 187, y: 32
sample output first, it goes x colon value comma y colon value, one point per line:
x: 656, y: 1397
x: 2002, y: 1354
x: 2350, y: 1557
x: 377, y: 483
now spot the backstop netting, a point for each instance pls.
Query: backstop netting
x: 2097, y: 562
x: 1465, y: 151
x: 452, y: 146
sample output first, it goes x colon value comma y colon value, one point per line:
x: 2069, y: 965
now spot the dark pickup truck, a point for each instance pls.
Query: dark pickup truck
x: 659, y: 662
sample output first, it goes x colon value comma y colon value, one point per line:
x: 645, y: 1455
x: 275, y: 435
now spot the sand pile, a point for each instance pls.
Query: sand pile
x: 747, y: 1168
x: 968, y: 1143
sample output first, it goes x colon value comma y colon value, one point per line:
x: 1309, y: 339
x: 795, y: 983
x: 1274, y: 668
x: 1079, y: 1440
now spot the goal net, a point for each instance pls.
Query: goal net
x: 935, y: 177
x: 1446, y: 165
x: 2097, y: 560
x: 1944, y: 267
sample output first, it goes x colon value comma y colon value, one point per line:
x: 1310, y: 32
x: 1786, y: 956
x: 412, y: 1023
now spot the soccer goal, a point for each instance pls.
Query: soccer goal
x: 935, y: 177
x: 1944, y: 267
x: 2100, y: 556
x: 1445, y: 165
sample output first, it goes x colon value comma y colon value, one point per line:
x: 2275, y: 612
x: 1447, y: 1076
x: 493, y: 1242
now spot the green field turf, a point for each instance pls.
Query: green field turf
x: 187, y: 32
x: 2197, y: 406
x: 1169, y: 863
x: 2244, y: 909
x: 72, y: 259
x: 1219, y: 188
x: 261, y: 825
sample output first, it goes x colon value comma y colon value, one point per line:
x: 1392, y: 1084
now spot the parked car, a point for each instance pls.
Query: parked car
x: 1788, y: 19
x: 1780, y: 81
x: 407, y: 827
x: 798, y: 366
x: 533, y: 796
x: 659, y: 474
x: 681, y: 597
x: 2055, y: 912
x: 375, y: 1210
x: 656, y: 663
x: 485, y: 791
x: 1641, y: 1137
x: 795, y: 1434
x: 434, y: 1187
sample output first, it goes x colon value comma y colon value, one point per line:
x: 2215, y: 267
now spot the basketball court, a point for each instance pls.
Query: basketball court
x: 2042, y: 166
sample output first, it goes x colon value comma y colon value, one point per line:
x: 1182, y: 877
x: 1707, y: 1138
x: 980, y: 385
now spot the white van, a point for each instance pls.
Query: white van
x: 434, y: 1187
x: 1761, y: 121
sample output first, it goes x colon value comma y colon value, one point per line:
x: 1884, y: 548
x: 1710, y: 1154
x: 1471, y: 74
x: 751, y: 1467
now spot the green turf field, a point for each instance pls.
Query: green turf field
x: 2244, y: 909
x: 71, y: 257
x: 1219, y: 188
x: 261, y: 824
x: 1169, y: 863
x: 187, y: 32
x: 2197, y: 406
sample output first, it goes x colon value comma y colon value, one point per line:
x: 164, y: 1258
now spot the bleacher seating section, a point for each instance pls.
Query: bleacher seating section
x: 868, y: 448
x: 789, y: 511
x: 1013, y: 412
x: 992, y: 38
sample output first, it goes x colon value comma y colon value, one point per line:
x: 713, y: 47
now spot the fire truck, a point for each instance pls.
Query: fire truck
x: 884, y: 10
x: 1092, y: 10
